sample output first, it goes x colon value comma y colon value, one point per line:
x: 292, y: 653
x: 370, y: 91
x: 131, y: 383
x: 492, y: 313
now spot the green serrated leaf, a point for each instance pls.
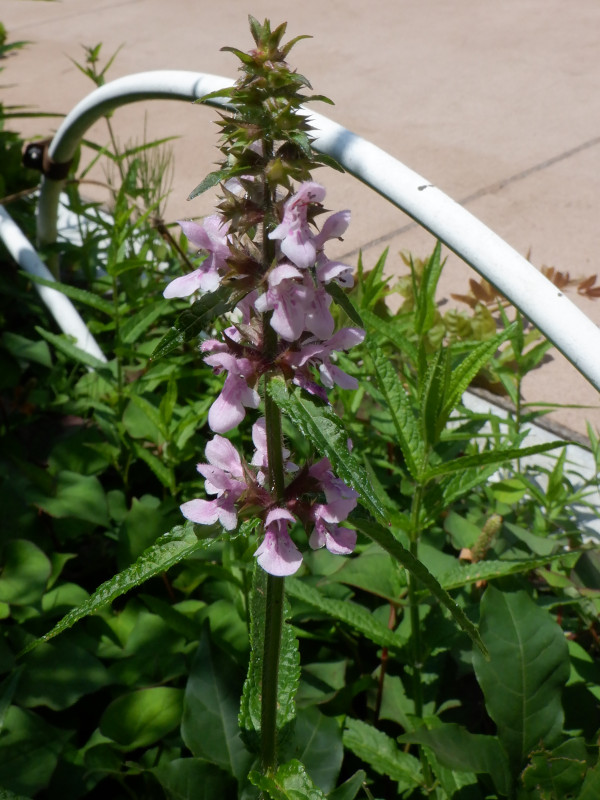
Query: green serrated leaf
x: 170, y: 548
x: 382, y: 753
x: 133, y: 327
x: 433, y: 391
x: 426, y: 306
x: 290, y: 782
x: 197, y: 318
x: 325, y: 430
x: 392, y: 330
x: 401, y: 411
x: 356, y: 616
x: 489, y: 458
x: 217, y: 176
x: 491, y: 570
x: 462, y: 375
x: 384, y: 539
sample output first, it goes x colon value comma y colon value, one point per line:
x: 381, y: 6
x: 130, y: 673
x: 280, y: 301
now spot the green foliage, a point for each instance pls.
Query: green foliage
x: 528, y: 666
x: 153, y: 688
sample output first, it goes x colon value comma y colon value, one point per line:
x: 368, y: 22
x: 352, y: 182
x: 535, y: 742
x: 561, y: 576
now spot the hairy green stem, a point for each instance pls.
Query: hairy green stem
x: 274, y: 602
x: 415, y: 624
x: 270, y: 672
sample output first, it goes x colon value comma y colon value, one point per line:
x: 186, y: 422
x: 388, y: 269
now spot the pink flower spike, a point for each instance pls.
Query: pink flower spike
x: 277, y: 554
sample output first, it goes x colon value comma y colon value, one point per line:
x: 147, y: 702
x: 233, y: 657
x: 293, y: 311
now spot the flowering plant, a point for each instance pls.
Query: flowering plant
x: 381, y: 464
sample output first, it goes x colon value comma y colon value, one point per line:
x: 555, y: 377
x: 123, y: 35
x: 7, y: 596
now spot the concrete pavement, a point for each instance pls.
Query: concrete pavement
x: 497, y: 104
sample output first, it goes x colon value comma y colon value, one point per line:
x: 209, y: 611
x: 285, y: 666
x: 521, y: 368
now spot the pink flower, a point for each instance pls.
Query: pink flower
x: 229, y: 409
x: 260, y: 457
x: 319, y: 354
x: 297, y: 240
x: 333, y: 228
x: 211, y: 235
x: 341, y: 498
x: 318, y: 319
x: 277, y: 554
x: 225, y: 478
x: 326, y: 533
x: 287, y: 299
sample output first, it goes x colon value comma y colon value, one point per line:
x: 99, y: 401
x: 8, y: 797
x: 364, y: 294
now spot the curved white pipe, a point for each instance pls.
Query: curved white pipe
x: 573, y: 333
x: 59, y: 305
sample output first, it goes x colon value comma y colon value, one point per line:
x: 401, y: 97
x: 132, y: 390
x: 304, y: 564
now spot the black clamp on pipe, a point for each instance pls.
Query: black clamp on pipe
x: 36, y: 156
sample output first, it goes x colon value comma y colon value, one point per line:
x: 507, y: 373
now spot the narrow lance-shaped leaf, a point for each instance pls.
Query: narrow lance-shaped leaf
x: 321, y: 425
x: 352, y: 614
x: 392, y: 330
x: 381, y: 752
x: 400, y: 408
x: 75, y: 293
x: 489, y: 458
x: 462, y: 375
x: 464, y: 574
x: 384, y: 539
x: 426, y: 307
x: 168, y: 550
x: 433, y: 391
x: 76, y: 354
x: 343, y: 301
x: 197, y: 317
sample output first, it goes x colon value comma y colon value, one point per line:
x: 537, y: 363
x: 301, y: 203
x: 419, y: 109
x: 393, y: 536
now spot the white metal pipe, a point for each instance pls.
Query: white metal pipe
x: 59, y: 306
x: 158, y: 85
x: 573, y: 333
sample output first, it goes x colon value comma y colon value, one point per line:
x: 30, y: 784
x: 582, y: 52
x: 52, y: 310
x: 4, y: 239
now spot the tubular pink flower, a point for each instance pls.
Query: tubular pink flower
x: 260, y: 457
x: 229, y: 409
x: 318, y: 319
x: 341, y: 498
x: 319, y: 354
x: 211, y: 235
x: 277, y: 554
x: 297, y: 240
x: 333, y: 227
x: 225, y: 478
x: 339, y: 541
x: 287, y: 299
